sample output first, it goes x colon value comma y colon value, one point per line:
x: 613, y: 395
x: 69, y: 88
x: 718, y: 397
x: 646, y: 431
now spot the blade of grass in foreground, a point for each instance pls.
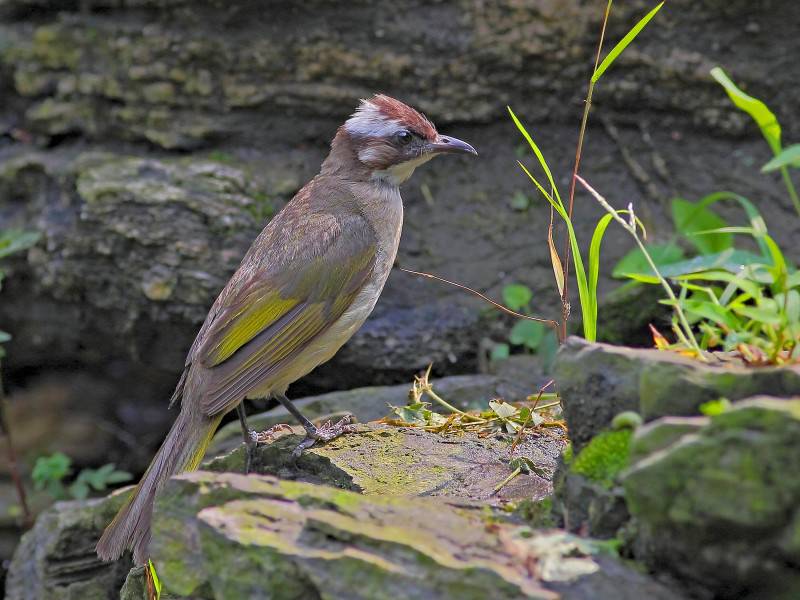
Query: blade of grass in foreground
x: 624, y: 43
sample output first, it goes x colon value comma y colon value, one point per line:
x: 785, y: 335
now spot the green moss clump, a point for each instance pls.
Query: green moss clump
x: 604, y: 457
x: 537, y: 514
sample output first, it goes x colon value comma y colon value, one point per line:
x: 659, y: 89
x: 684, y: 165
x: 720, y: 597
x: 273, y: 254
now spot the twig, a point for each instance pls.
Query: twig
x: 27, y: 518
x: 548, y: 322
x: 507, y: 480
x: 422, y: 385
x: 578, y: 151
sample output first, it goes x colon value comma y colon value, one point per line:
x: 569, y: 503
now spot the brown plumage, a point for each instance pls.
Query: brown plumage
x: 304, y: 287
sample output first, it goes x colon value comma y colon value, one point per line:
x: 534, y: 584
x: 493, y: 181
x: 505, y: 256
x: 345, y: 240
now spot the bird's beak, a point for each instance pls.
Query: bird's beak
x: 446, y: 143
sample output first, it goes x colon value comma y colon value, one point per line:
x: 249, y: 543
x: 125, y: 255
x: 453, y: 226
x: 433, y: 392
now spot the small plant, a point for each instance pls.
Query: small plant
x: 770, y: 129
x: 587, y: 282
x: 736, y: 301
x: 531, y: 336
x: 50, y: 472
x: 12, y: 241
x: 501, y: 417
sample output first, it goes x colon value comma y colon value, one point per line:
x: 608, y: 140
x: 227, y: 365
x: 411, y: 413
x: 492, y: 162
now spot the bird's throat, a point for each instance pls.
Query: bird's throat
x: 398, y: 174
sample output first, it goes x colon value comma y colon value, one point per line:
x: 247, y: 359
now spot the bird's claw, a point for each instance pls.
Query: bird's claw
x: 325, y: 433
x: 268, y: 435
x: 254, y: 438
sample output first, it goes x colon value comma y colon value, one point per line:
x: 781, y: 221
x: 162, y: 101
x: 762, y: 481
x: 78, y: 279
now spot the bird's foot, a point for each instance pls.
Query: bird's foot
x: 268, y: 435
x: 324, y: 433
x: 254, y: 438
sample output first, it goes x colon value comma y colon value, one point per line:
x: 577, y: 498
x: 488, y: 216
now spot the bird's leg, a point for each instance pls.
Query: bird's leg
x: 325, y: 433
x: 250, y: 438
x: 253, y: 438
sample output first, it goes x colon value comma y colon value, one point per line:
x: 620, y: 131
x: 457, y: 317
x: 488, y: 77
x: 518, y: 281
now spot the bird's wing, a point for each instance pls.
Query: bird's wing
x: 271, y: 314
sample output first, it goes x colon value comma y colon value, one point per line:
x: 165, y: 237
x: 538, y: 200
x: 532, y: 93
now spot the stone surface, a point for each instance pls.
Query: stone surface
x: 229, y: 536
x: 387, y: 460
x: 718, y: 506
x: 391, y: 513
x: 598, y: 381
x: 112, y: 111
x: 56, y: 561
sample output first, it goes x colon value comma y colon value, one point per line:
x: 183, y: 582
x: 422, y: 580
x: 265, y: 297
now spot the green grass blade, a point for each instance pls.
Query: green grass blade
x: 538, y: 154
x: 156, y: 581
x: 788, y: 157
x: 594, y: 256
x: 756, y: 220
x: 763, y: 116
x: 588, y: 311
x: 624, y: 43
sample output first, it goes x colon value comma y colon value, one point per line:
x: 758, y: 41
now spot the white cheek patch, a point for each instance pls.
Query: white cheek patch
x: 400, y: 173
x: 368, y: 121
x: 370, y: 154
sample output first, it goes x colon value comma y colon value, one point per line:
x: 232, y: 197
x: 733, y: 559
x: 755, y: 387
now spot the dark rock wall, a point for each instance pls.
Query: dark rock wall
x: 149, y: 140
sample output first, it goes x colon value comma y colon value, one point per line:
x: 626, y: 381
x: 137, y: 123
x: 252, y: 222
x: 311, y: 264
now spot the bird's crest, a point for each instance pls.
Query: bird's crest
x: 382, y: 116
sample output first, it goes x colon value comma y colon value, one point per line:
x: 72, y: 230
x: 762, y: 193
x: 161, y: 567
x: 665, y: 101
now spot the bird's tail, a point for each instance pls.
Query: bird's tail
x: 182, y: 450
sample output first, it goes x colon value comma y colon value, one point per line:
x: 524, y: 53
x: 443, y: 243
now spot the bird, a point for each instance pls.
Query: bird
x: 304, y: 287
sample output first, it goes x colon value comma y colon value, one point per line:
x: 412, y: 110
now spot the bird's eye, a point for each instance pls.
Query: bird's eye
x: 403, y: 137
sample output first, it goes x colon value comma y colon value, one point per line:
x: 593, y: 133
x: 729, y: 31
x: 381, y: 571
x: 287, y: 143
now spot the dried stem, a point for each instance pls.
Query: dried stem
x: 549, y: 322
x: 578, y: 151
x: 27, y: 518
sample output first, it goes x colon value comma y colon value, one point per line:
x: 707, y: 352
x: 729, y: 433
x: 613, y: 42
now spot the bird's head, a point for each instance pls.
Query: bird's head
x: 390, y: 139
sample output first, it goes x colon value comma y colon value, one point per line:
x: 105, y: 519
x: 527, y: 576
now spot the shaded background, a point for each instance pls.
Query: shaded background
x: 148, y: 141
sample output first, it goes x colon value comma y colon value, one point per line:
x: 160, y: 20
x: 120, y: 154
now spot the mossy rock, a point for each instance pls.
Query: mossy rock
x: 728, y: 484
x: 56, y: 561
x: 226, y: 536
x: 599, y: 381
x: 387, y: 460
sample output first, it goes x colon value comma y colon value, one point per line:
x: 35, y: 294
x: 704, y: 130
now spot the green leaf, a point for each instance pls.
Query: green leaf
x: 519, y: 201
x: 712, y: 312
x: 712, y: 408
x: 500, y: 352
x: 410, y: 415
x: 787, y: 157
x: 504, y: 410
x: 690, y: 218
x: 730, y: 260
x: 594, y: 256
x: 587, y: 300
x: 527, y: 333
x: 594, y: 253
x: 79, y: 490
x: 51, y: 468
x: 539, y: 156
x: 763, y: 116
x: 517, y: 296
x: 624, y: 43
x: 16, y: 240
x: 635, y: 263
x: 154, y: 576
x: 756, y: 313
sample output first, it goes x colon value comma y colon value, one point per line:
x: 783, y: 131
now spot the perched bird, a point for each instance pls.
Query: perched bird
x: 305, y: 286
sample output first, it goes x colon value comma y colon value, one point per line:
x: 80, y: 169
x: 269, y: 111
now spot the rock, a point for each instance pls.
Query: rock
x: 130, y: 261
x: 372, y: 403
x: 588, y: 496
x: 56, y: 561
x: 393, y: 513
x: 717, y: 505
x: 230, y: 536
x: 623, y: 315
x: 599, y: 381
x: 386, y: 460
